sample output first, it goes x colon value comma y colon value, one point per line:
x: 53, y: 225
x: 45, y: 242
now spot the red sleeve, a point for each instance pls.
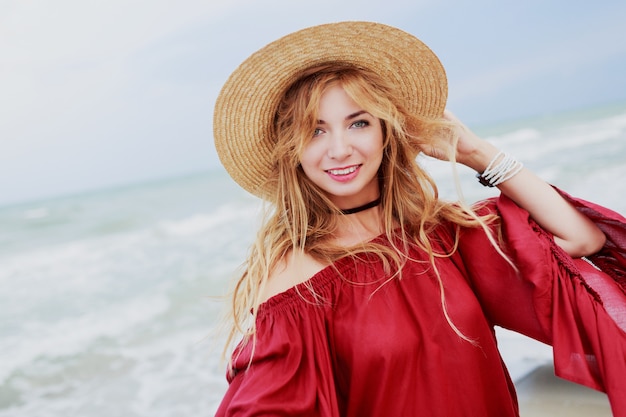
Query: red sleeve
x: 578, y: 309
x: 290, y: 374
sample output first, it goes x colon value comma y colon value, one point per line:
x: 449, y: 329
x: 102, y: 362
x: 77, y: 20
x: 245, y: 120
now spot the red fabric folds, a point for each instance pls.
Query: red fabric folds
x: 582, y: 314
x: 357, y: 346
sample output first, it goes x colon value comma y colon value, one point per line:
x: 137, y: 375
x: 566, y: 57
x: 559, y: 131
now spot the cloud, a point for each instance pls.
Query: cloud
x: 63, y: 53
x: 87, y: 86
x: 566, y: 52
x: 76, y: 94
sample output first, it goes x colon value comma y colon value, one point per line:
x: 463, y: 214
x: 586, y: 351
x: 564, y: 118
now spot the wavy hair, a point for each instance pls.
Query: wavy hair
x: 300, y: 217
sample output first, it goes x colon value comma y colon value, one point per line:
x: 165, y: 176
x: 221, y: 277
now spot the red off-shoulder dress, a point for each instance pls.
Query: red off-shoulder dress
x: 362, y: 346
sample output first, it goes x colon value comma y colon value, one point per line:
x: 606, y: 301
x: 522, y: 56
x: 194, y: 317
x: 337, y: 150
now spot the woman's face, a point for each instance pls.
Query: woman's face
x: 345, y: 152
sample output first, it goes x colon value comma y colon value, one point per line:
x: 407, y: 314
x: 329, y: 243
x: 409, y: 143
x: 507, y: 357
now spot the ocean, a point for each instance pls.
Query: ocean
x: 110, y: 300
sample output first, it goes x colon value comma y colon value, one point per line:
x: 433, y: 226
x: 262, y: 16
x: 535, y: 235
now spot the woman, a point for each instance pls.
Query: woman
x: 364, y: 294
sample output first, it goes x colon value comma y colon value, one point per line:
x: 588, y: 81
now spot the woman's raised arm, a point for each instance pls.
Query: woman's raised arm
x: 572, y: 231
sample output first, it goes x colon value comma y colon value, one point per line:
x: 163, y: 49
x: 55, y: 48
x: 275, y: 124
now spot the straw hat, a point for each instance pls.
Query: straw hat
x: 246, y: 106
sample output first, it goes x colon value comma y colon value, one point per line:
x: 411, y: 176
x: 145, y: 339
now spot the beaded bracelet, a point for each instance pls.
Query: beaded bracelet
x: 496, y: 173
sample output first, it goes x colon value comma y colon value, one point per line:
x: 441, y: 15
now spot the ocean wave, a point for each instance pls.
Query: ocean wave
x: 71, y: 335
x: 201, y: 223
x: 108, y: 314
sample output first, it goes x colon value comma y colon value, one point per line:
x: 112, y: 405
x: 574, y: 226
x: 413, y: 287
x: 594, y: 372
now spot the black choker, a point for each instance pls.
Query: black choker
x: 361, y: 208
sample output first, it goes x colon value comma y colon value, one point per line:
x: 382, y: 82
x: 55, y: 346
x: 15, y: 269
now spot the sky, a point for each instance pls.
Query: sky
x: 96, y: 94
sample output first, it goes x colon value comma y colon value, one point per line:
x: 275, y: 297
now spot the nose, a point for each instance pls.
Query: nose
x: 339, y: 147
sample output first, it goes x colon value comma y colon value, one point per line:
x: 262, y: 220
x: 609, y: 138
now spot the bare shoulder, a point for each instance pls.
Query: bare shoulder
x: 293, y: 269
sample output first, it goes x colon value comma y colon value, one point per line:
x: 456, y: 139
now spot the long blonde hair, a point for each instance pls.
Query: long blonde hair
x: 301, y: 217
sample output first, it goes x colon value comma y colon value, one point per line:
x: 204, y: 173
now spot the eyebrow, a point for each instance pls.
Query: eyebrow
x: 348, y: 117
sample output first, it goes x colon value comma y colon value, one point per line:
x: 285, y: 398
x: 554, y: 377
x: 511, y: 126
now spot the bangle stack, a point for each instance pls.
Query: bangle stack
x: 501, y: 168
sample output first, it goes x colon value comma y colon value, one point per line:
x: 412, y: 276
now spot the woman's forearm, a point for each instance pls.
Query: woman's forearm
x: 572, y: 231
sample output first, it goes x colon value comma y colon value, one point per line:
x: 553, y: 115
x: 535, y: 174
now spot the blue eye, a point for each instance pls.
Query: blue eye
x: 317, y: 132
x: 360, y: 124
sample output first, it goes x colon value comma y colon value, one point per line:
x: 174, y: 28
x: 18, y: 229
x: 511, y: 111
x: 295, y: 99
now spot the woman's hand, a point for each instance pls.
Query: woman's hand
x: 572, y: 231
x: 469, y: 149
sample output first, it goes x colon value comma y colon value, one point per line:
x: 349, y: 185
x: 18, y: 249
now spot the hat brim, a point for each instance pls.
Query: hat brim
x: 246, y: 106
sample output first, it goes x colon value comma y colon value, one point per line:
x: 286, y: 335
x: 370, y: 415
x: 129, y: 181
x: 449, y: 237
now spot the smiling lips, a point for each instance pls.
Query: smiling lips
x: 343, y: 174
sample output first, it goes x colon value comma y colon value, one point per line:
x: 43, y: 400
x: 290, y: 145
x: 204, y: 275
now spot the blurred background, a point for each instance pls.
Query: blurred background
x: 119, y: 230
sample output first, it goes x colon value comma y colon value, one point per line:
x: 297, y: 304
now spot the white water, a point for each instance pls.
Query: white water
x: 106, y: 299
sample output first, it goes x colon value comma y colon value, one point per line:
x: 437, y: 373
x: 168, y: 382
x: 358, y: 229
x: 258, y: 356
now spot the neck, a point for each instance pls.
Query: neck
x: 361, y: 208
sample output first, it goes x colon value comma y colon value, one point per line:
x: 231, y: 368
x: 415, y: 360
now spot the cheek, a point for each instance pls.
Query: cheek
x: 376, y: 145
x: 306, y: 168
x: 310, y: 157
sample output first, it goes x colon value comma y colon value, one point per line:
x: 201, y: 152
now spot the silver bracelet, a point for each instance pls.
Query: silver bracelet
x: 500, y: 169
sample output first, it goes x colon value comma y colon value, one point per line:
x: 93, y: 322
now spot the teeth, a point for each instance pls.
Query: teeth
x: 344, y: 171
